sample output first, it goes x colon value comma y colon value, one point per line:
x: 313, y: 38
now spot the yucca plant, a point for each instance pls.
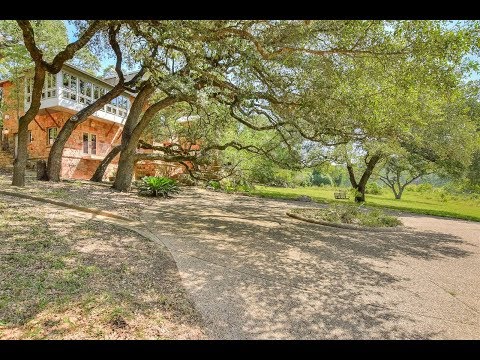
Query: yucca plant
x: 158, y: 186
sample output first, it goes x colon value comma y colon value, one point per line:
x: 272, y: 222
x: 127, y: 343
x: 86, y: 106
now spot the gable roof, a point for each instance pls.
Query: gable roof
x: 113, y: 80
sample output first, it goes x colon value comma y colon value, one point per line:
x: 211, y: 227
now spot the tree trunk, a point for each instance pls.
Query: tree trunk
x: 126, y: 165
x: 54, y: 165
x: 362, y: 184
x: 42, y: 170
x: 100, y: 172
x: 398, y: 196
x: 20, y: 163
x: 395, y: 193
x: 351, y: 175
x: 132, y: 120
x: 360, y: 195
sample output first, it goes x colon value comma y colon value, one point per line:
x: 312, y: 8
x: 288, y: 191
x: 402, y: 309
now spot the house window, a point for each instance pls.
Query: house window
x: 85, y: 92
x: 66, y: 85
x: 51, y: 135
x: 30, y: 137
x: 73, y: 88
x: 49, y: 88
x: 96, y: 92
x: 85, y: 143
x: 89, y: 144
x: 93, y: 144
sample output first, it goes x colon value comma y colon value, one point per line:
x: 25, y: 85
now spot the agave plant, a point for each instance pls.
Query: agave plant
x: 158, y: 186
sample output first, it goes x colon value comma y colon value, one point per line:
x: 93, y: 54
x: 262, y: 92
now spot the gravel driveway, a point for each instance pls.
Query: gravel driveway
x: 255, y: 273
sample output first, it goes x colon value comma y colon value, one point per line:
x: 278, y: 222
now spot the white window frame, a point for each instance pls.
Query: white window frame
x: 49, y: 87
x: 89, y: 144
x: 55, y: 129
x: 118, y: 106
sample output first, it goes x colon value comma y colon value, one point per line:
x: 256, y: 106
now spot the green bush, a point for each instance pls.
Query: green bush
x: 423, y: 188
x: 157, y: 186
x: 235, y: 184
x: 373, y: 189
x: 351, y: 214
x: 319, y: 179
x: 271, y: 175
x: 443, y: 197
x: 214, y: 184
x: 377, y: 218
x: 262, y: 173
x: 302, y: 178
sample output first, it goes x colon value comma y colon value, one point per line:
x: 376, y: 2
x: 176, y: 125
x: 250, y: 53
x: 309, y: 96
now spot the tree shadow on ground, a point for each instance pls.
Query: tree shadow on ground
x: 65, y: 276
x: 259, y: 274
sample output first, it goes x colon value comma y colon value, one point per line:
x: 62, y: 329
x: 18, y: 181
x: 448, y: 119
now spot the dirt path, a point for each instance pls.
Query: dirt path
x: 255, y: 273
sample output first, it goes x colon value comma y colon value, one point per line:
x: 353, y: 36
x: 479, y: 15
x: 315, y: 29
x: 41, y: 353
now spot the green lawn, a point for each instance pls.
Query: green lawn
x: 423, y: 203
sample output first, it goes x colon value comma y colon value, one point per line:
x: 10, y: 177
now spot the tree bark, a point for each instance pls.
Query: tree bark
x: 351, y: 175
x: 54, y: 164
x: 361, y: 185
x: 132, y: 120
x: 41, y: 170
x: 20, y: 163
x: 126, y: 164
x: 100, y: 172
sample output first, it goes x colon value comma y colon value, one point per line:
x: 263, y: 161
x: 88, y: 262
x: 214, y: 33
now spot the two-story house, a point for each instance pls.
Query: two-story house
x: 63, y: 95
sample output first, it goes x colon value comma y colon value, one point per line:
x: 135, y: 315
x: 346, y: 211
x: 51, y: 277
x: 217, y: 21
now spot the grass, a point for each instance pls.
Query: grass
x: 423, y: 203
x: 71, y: 278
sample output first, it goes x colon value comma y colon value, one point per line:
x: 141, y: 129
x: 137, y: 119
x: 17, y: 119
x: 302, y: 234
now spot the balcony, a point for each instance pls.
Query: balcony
x: 71, y: 90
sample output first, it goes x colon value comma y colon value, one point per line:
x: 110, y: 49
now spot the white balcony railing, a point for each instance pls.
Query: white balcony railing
x: 73, y: 92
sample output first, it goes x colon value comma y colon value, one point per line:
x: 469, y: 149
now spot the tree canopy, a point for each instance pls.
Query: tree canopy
x: 297, y: 92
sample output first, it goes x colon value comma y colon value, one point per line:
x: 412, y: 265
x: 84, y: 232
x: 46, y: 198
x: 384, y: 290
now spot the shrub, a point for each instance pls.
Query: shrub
x: 213, y: 184
x: 443, y: 197
x: 157, y: 186
x: 377, y: 218
x: 267, y: 174
x: 425, y: 187
x: 302, y: 178
x: 319, y: 179
x: 234, y: 184
x: 373, y: 189
x: 351, y: 214
x: 262, y: 172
